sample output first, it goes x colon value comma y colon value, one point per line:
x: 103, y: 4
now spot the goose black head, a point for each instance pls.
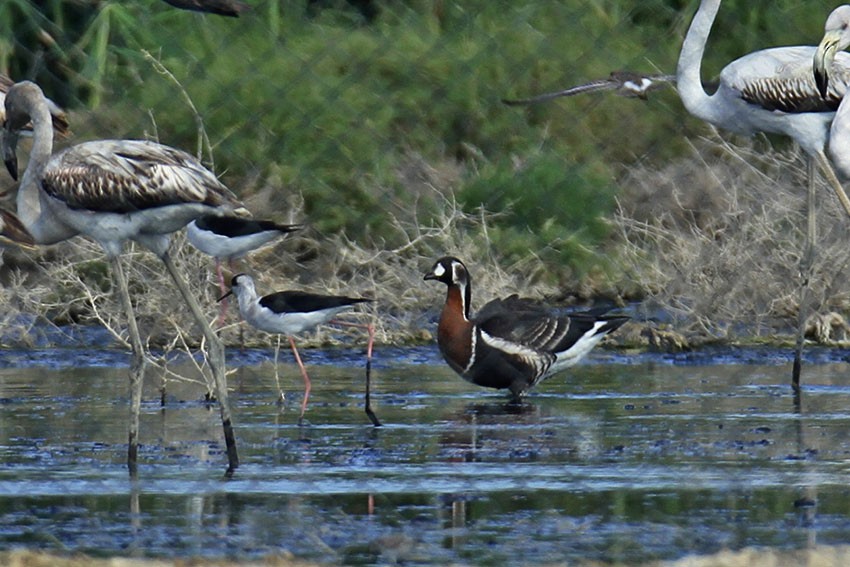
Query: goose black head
x: 450, y: 271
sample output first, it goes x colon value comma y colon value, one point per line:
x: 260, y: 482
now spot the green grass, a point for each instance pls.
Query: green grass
x: 331, y: 108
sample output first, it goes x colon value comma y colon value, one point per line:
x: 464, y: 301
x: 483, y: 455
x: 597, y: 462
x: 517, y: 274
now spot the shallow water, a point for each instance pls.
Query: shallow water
x: 627, y: 458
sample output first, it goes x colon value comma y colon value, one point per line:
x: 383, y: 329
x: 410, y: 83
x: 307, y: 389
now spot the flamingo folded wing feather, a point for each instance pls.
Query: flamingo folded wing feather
x: 121, y: 179
x: 791, y: 95
x: 13, y: 227
x: 781, y: 79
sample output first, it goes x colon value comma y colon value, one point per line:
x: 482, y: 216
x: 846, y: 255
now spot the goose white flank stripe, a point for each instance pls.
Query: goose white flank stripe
x: 471, y: 362
x: 512, y: 343
x: 293, y: 312
x: 113, y: 191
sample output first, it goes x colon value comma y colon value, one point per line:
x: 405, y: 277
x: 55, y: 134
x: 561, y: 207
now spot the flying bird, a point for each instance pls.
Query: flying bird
x: 623, y: 83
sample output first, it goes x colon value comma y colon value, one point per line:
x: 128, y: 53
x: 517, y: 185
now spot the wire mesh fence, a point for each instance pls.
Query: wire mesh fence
x: 381, y: 124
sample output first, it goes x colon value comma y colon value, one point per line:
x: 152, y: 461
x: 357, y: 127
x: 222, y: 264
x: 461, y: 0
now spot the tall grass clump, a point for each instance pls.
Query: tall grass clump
x: 551, y: 205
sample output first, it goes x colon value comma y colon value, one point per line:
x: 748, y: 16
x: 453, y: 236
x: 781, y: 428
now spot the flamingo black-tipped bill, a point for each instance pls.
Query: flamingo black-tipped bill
x: 823, y: 60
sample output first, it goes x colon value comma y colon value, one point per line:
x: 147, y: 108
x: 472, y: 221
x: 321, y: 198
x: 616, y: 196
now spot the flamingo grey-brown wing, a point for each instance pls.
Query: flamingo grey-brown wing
x: 781, y: 79
x: 124, y: 176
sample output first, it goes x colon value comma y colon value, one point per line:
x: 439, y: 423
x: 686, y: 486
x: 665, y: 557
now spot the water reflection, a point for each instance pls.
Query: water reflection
x: 805, y: 502
x: 508, y: 407
x: 618, y: 463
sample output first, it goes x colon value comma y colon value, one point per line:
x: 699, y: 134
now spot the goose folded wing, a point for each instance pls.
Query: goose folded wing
x: 522, y: 322
x: 527, y: 323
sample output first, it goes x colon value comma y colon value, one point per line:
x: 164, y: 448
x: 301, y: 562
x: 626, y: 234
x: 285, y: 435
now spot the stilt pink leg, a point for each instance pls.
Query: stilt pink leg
x: 307, y: 385
x: 371, y: 330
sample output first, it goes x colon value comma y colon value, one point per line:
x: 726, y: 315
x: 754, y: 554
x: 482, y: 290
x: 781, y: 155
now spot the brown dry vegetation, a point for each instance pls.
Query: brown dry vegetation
x: 715, y: 241
x: 711, y: 242
x: 71, y: 282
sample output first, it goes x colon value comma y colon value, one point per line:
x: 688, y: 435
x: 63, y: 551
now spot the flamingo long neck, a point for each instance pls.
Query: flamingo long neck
x: 44, y: 228
x: 688, y: 74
